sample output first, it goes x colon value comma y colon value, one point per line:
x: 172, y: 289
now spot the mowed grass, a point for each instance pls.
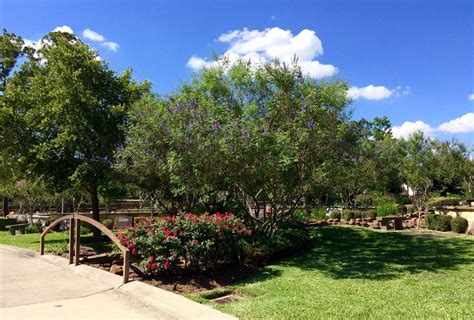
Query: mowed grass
x: 55, y: 242
x: 355, y: 273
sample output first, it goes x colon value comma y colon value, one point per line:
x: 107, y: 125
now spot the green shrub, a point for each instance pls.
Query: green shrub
x: 347, y: 215
x: 365, y: 199
x: 439, y: 222
x: 300, y: 215
x: 335, y: 215
x: 108, y: 223
x: 319, y: 213
x: 6, y: 222
x: 85, y: 228
x: 34, y: 228
x: 443, y: 201
x: 459, y: 224
x: 57, y: 248
x: 287, y: 240
x: 402, y: 209
x: 185, y: 240
x: 385, y: 207
x: 369, y: 214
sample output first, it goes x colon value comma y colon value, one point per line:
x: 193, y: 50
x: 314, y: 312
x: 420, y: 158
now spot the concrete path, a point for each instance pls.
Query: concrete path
x: 47, y: 287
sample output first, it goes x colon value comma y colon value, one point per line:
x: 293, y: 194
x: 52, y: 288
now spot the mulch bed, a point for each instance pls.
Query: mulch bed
x: 186, y: 282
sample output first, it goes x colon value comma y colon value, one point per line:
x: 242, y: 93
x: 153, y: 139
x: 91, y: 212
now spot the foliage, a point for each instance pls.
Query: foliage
x: 444, y: 201
x: 31, y: 195
x: 11, y: 48
x: 433, y: 165
x: 300, y: 215
x: 63, y: 114
x: 459, y: 224
x: 286, y: 241
x: 417, y: 169
x: 452, y: 167
x: 34, y: 228
x: 385, y: 207
x: 372, y: 166
x: 108, y: 223
x: 264, y: 137
x: 439, y: 222
x: 365, y: 199
x: 351, y: 214
x: 335, y: 215
x: 188, y: 240
x: 319, y: 213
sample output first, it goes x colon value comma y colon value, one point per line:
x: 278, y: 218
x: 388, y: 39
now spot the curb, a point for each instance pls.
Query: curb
x: 176, y: 306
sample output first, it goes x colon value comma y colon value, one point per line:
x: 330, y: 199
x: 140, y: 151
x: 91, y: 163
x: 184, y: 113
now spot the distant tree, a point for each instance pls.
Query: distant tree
x: 452, y: 167
x: 419, y: 168
x: 370, y: 165
x: 63, y: 115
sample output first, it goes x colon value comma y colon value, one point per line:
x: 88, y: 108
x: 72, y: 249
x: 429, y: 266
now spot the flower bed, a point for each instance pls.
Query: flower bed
x: 186, y: 241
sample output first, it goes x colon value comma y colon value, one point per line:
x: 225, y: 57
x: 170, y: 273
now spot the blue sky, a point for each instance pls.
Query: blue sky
x: 412, y: 61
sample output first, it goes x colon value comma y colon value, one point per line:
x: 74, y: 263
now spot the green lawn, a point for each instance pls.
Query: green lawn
x: 55, y: 242
x: 355, y: 273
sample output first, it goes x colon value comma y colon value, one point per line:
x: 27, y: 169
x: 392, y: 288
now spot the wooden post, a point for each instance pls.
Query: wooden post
x: 126, y: 265
x: 42, y: 245
x: 71, y: 240
x: 77, y: 242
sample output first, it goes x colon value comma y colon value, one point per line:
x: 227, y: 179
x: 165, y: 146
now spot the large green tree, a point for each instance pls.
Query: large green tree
x: 63, y: 114
x: 264, y: 136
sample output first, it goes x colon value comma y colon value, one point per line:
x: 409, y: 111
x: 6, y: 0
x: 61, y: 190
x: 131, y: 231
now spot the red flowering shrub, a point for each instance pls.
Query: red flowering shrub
x: 185, y: 240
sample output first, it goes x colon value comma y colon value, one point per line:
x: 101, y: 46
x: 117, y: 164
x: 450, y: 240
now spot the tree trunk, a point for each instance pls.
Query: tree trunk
x: 95, y: 208
x: 5, y: 206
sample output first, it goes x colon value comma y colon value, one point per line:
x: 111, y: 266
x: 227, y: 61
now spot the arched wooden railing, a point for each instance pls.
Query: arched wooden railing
x: 75, y: 239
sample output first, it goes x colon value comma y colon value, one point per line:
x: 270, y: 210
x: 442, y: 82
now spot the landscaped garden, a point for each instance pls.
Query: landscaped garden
x: 344, y: 272
x: 260, y: 189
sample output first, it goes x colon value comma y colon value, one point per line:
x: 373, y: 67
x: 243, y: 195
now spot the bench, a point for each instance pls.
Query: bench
x: 385, y: 222
x: 14, y: 227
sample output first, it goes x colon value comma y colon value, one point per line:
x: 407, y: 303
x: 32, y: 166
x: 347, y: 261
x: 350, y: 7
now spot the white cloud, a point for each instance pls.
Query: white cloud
x: 409, y: 128
x: 111, y: 45
x: 369, y: 92
x: 92, y: 35
x: 41, y: 42
x: 97, y: 37
x: 402, y: 91
x: 462, y: 124
x: 196, y: 63
x: 64, y: 28
x: 272, y: 43
x: 471, y: 96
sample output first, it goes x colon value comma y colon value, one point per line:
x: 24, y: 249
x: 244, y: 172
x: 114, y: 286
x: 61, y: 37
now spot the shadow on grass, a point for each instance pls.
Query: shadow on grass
x: 350, y: 253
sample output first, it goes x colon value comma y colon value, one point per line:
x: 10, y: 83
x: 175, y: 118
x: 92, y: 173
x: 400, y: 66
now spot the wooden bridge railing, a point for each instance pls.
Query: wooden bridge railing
x: 75, y: 238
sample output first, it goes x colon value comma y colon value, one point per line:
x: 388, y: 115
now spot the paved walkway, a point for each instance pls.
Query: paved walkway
x: 34, y: 287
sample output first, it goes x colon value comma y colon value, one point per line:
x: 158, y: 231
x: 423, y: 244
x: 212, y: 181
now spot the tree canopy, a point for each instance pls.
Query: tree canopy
x: 64, y: 112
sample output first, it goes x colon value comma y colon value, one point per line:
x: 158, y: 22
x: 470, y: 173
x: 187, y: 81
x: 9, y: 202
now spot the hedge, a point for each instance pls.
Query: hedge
x: 443, y: 202
x: 459, y: 224
x: 438, y: 222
